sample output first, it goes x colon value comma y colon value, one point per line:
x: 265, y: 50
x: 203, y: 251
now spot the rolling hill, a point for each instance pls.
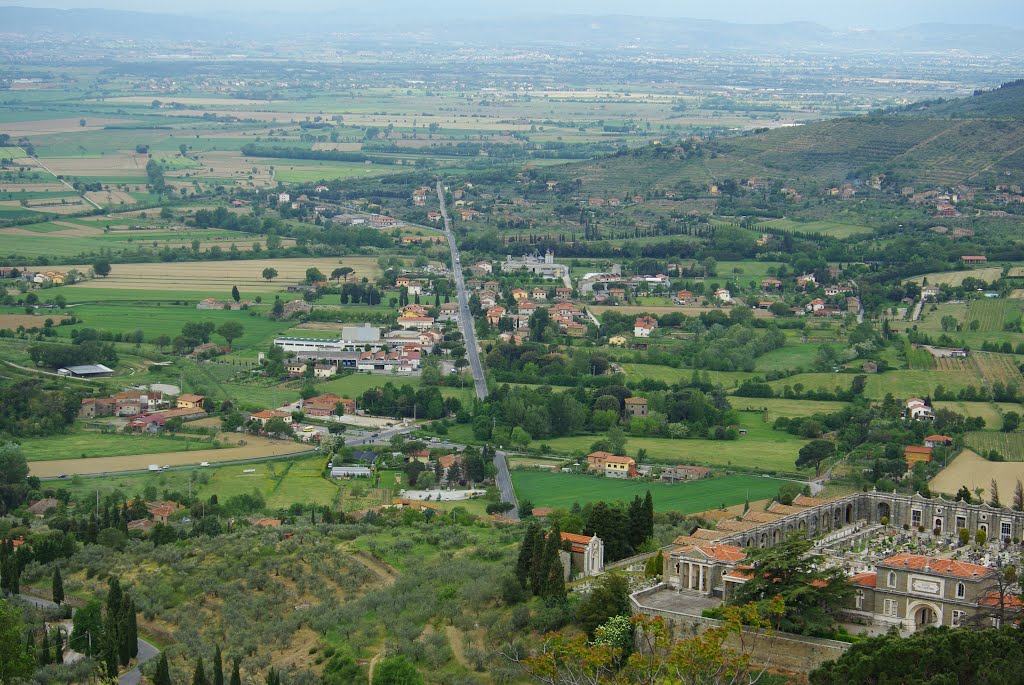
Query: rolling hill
x: 940, y: 143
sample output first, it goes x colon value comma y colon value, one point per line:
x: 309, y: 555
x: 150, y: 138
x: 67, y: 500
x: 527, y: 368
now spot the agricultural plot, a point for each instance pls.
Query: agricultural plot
x: 954, y: 278
x: 910, y: 383
x: 998, y: 368
x: 87, y: 444
x: 563, y: 490
x: 1009, y: 445
x: 671, y: 375
x: 761, y: 448
x: 255, y: 448
x: 990, y: 313
x: 217, y: 278
x: 794, y: 355
x: 168, y: 319
x: 991, y: 412
x: 833, y: 229
x: 775, y: 407
x: 971, y: 470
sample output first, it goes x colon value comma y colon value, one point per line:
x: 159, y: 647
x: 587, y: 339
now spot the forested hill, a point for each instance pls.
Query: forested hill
x: 974, y: 140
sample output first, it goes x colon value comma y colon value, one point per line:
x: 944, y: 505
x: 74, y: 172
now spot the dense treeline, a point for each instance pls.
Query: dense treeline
x: 406, y: 401
x: 280, y: 151
x: 29, y: 409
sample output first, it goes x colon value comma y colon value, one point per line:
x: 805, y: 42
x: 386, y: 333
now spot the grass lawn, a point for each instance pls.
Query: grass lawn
x: 792, y: 356
x: 834, y: 229
x: 356, y: 384
x: 761, y: 448
x: 89, y: 444
x: 814, y: 381
x: 562, y: 490
x: 992, y: 412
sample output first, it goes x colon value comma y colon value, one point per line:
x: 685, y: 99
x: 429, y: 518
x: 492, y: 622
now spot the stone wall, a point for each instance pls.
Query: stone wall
x: 782, y: 651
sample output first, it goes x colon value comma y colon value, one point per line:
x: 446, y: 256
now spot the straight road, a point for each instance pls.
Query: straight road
x: 465, y: 319
x: 503, y: 478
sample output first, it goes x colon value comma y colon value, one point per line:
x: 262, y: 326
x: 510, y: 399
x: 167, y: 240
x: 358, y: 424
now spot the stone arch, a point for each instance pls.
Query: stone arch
x: 825, y: 519
x: 924, y: 614
x: 884, y: 510
x: 750, y: 542
x: 776, y: 536
x: 802, y: 526
x: 837, y: 517
x: 764, y: 539
x: 849, y: 513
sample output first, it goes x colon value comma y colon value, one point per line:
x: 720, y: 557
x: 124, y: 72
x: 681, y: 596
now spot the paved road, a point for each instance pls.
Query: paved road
x: 504, y: 482
x: 465, y: 320
x: 503, y: 478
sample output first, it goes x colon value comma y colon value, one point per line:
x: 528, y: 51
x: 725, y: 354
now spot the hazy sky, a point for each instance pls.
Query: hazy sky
x: 862, y: 13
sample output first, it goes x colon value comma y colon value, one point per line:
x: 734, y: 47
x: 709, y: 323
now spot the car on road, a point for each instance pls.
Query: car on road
x: 63, y: 475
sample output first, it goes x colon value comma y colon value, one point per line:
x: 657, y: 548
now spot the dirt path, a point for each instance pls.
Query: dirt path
x: 455, y: 640
x: 385, y: 572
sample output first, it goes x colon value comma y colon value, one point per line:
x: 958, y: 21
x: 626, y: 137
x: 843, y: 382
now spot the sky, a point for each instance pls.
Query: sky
x: 876, y: 14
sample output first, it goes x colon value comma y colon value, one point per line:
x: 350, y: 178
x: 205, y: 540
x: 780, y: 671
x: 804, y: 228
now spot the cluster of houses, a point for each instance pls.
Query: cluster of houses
x: 212, y: 304
x: 148, y: 411
x: 38, y: 278
x: 565, y: 315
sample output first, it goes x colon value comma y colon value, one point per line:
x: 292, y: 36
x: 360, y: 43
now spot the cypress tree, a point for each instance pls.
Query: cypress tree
x: 133, y: 629
x: 272, y: 677
x: 58, y: 586
x: 554, y: 573
x: 538, y: 571
x: 124, y: 646
x: 30, y: 644
x: 163, y: 672
x: 44, y: 649
x: 218, y: 667
x: 58, y: 646
x: 111, y: 653
x: 236, y: 673
x: 199, y: 675
x: 525, y: 561
x: 636, y: 523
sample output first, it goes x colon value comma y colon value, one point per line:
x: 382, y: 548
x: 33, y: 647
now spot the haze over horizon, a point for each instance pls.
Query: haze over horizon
x: 869, y: 14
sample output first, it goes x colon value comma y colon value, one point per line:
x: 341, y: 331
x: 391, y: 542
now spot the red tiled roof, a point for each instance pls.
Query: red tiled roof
x: 578, y: 539
x: 938, y: 438
x: 727, y: 553
x: 1010, y: 601
x: 866, y: 579
x: 914, y: 449
x: 944, y: 567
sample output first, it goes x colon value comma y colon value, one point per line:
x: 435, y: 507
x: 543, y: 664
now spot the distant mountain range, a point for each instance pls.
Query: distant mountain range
x: 580, y: 31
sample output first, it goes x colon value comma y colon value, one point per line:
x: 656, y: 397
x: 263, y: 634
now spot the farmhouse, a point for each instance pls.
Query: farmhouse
x: 162, y: 511
x: 915, y: 454
x: 268, y: 414
x: 644, y: 326
x: 190, y: 402
x: 681, y: 472
x: 918, y: 410
x: 541, y: 266
x: 636, y: 406
x: 974, y: 259
x: 938, y: 441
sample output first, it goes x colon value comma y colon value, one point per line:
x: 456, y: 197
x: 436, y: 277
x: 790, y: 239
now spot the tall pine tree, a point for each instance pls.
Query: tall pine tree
x: 236, y: 673
x: 554, y: 572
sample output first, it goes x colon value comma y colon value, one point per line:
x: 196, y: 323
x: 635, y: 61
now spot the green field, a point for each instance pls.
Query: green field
x: 727, y: 379
x: 563, y: 490
x: 793, y: 355
x: 782, y: 407
x: 992, y: 412
x: 834, y: 229
x: 168, y: 319
x: 88, y: 444
x: 761, y: 448
x: 321, y: 171
x: 281, y: 483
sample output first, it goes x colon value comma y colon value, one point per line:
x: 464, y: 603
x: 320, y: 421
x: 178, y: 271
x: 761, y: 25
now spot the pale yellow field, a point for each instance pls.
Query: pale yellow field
x: 111, y: 197
x: 24, y: 128
x: 33, y: 187
x: 1017, y: 294
x: 12, y: 321
x: 975, y: 472
x: 988, y: 274
x: 123, y: 163
x: 188, y: 101
x: 202, y: 276
x: 255, y: 448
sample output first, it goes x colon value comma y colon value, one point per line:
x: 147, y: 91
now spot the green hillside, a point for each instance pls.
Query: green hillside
x: 929, y: 144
